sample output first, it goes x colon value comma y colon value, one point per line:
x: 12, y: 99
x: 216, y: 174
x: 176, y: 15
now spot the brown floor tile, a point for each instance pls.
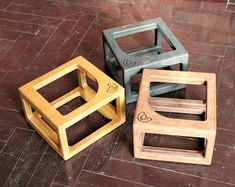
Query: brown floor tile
x: 14, y: 119
x: 2, y: 144
x: 12, y: 151
x: 88, y: 179
x: 13, y: 54
x: 35, y: 19
x: 27, y: 162
x: 5, y: 132
x: 69, y: 171
x: 46, y: 169
x: 5, y: 4
x: 152, y: 176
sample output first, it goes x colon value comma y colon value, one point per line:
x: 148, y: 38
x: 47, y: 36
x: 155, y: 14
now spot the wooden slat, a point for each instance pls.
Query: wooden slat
x: 186, y: 106
x: 173, y: 152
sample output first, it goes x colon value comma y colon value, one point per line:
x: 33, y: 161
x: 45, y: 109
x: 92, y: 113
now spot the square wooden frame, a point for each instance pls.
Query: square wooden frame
x: 52, y: 125
x: 146, y: 120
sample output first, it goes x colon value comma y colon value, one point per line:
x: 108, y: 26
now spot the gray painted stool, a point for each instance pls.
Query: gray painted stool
x: 150, y: 57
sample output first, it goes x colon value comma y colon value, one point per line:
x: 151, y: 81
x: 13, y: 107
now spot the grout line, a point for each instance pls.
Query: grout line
x: 7, y: 139
x: 60, y: 184
x: 233, y: 165
x: 11, y: 135
x: 32, y: 130
x: 228, y: 146
x: 20, y: 31
x: 8, y: 5
x: 19, y: 158
x: 28, y: 23
x: 4, y: 141
x: 101, y: 174
x: 79, y: 43
x: 71, y: 34
x: 162, y: 9
x: 209, y: 44
x: 86, y: 159
x: 39, y: 52
x: 37, y: 165
x: 9, y: 109
x: 49, y: 17
x: 226, y: 129
x: 170, y: 170
x: 115, y: 143
x: 33, y: 14
x: 2, y: 147
x: 83, y: 165
x: 62, y: 161
x: 221, y: 69
x: 5, y: 52
x: 16, y: 61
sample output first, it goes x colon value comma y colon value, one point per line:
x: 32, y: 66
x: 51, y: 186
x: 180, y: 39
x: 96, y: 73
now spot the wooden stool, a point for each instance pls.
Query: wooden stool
x: 52, y: 125
x: 147, y: 57
x: 146, y: 120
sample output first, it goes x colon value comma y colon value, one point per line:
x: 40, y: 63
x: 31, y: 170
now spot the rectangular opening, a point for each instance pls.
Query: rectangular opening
x: 60, y: 86
x: 187, y: 103
x: 166, y: 45
x: 145, y: 44
x: 176, y: 144
x: 71, y: 105
x: 45, y: 128
x: 90, y: 123
x: 131, y: 42
x: 136, y: 80
x: 85, y: 127
x: 64, y: 93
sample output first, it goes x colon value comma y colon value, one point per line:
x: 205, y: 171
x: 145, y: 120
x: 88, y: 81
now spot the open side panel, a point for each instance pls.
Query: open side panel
x: 174, y: 146
x: 42, y: 127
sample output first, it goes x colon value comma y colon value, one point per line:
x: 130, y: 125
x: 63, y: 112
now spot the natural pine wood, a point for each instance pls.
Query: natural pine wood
x: 52, y: 125
x: 146, y: 120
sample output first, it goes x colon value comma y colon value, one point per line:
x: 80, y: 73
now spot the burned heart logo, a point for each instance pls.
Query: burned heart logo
x: 142, y: 116
x: 112, y: 87
x: 128, y: 62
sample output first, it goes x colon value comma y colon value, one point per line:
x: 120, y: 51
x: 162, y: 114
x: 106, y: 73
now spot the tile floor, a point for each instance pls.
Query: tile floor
x: 36, y: 36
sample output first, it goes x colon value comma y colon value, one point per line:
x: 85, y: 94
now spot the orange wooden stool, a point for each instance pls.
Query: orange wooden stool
x: 52, y: 125
x: 146, y: 120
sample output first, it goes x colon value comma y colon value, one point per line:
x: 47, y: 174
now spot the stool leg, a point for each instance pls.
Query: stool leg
x: 27, y: 109
x: 107, y: 51
x: 120, y: 105
x: 158, y: 38
x: 184, y: 67
x: 82, y: 79
x: 63, y: 142
x: 130, y: 96
x: 138, y: 139
x: 209, y: 149
x: 110, y: 66
x: 127, y: 85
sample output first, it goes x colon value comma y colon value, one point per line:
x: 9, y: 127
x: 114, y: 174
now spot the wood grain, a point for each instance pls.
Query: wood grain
x: 158, y: 124
x: 51, y: 125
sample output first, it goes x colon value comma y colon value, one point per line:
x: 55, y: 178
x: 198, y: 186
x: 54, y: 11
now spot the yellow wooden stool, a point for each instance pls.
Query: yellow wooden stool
x: 52, y: 125
x: 146, y: 120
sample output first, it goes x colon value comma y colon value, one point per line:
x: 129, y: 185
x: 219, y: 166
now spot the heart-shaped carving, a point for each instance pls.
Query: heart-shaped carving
x: 128, y: 62
x: 112, y: 87
x: 142, y: 116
